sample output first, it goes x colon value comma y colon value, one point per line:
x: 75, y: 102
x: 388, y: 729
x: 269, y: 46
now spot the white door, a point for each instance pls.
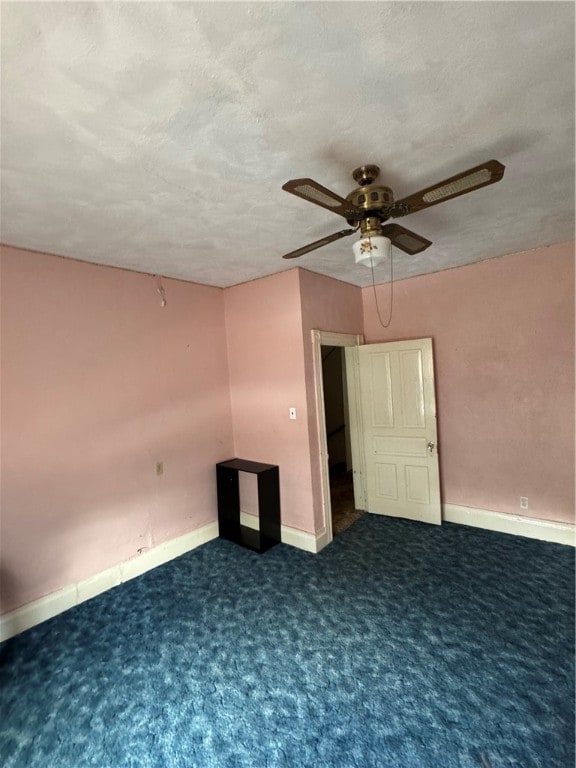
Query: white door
x: 396, y: 423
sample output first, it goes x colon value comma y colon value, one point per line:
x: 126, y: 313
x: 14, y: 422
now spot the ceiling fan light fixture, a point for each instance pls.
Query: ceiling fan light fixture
x: 370, y: 251
x: 367, y: 208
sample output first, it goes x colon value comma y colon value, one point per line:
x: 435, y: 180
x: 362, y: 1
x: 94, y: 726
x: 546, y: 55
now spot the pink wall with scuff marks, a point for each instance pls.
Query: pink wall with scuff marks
x: 503, y: 335
x: 327, y: 305
x: 99, y: 382
x: 267, y: 377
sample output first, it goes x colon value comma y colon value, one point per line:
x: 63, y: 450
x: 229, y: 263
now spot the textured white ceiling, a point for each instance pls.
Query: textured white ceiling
x: 157, y: 136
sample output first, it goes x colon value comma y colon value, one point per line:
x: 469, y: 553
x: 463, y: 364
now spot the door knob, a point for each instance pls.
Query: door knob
x: 431, y: 447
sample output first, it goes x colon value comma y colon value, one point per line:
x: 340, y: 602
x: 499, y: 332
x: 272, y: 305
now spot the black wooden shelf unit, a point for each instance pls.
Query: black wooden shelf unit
x: 228, y: 490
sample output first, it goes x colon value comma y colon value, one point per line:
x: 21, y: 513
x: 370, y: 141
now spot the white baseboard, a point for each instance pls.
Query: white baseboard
x: 51, y: 605
x: 292, y: 536
x: 533, y: 528
x: 322, y: 540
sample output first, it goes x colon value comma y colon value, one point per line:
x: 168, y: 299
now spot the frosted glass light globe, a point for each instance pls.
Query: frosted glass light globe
x: 370, y: 251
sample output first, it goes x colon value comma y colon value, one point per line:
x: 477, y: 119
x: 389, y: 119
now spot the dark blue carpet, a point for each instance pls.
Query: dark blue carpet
x: 401, y: 645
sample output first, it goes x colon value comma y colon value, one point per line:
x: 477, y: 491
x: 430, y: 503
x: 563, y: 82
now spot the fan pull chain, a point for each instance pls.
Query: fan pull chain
x: 382, y: 323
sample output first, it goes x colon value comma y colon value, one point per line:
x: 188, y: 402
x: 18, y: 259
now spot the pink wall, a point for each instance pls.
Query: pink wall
x: 98, y: 384
x: 503, y: 334
x: 269, y: 323
x: 267, y: 376
x: 327, y: 305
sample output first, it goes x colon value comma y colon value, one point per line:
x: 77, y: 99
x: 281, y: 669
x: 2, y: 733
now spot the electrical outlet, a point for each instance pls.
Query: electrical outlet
x: 159, y: 467
x: 523, y: 502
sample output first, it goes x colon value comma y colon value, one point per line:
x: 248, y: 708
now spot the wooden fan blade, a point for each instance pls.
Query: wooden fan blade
x: 407, y: 241
x: 461, y: 184
x: 310, y: 190
x: 318, y: 244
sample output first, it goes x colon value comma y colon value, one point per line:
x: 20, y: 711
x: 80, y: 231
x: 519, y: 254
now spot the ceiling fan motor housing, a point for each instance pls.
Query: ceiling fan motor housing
x: 374, y: 200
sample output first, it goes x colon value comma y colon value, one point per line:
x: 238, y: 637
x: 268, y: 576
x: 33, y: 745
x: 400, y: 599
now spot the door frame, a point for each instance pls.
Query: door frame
x: 331, y: 339
x: 356, y: 428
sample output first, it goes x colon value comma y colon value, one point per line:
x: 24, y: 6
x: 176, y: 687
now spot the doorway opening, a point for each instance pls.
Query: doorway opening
x: 389, y: 427
x: 338, y: 444
x: 331, y: 339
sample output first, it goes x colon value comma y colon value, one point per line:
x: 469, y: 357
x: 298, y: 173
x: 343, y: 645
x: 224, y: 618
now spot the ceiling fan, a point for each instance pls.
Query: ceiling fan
x: 370, y: 205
